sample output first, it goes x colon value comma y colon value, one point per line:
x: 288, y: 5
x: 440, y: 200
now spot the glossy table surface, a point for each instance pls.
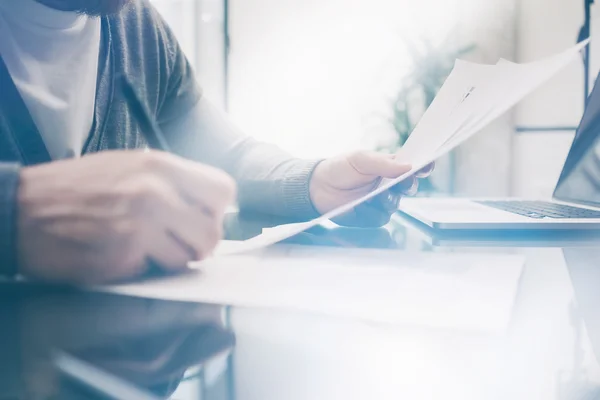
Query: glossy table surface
x: 59, y: 343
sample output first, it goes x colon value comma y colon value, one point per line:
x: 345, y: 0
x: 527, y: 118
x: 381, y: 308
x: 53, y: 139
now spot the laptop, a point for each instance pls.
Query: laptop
x: 575, y: 204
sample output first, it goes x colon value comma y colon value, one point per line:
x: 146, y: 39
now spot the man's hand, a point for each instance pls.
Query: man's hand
x: 339, y: 180
x: 105, y: 216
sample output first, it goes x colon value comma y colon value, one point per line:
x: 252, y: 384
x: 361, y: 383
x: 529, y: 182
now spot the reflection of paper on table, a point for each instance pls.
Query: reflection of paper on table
x: 458, y: 291
x: 473, y: 96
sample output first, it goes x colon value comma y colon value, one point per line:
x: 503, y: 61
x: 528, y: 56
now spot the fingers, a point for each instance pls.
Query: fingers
x: 174, y: 225
x: 198, y: 231
x: 408, y: 187
x: 413, y: 189
x: 378, y: 164
x: 213, y: 189
x: 168, y: 252
x: 185, y: 239
x: 389, y: 201
x: 423, y: 172
x: 194, y: 229
x: 372, y: 214
x: 426, y: 171
x: 201, y: 184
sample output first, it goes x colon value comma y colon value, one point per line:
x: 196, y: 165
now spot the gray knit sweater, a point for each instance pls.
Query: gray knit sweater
x: 138, y: 44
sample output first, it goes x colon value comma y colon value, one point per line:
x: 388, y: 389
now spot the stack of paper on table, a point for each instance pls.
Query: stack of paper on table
x: 454, y: 291
x: 473, y: 96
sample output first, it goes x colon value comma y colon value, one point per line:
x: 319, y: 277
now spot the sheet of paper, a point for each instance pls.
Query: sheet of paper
x: 456, y: 102
x: 509, y: 84
x: 458, y: 291
x: 473, y: 96
x: 268, y: 237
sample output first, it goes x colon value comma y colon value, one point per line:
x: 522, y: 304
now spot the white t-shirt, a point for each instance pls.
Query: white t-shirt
x: 52, y: 56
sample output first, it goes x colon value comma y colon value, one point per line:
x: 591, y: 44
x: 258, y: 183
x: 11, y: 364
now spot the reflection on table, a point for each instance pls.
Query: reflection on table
x: 548, y: 352
x: 126, y: 343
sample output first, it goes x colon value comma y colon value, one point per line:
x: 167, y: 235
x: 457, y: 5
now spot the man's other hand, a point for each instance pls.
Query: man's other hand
x: 105, y: 216
x: 339, y: 180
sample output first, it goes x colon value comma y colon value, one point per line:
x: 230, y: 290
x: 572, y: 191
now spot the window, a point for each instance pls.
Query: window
x: 199, y: 27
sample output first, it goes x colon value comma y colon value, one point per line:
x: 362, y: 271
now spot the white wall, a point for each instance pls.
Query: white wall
x: 310, y: 75
x: 198, y: 25
x: 546, y: 27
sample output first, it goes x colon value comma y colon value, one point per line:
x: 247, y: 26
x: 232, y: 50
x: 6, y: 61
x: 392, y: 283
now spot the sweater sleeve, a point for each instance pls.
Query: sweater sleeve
x: 269, y: 180
x: 9, y: 179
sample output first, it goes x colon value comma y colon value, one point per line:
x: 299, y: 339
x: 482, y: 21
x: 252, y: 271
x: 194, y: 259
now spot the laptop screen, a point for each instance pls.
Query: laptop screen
x: 580, y: 178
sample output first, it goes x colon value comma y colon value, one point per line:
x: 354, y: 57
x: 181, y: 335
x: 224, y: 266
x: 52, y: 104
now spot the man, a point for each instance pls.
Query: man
x: 102, y: 217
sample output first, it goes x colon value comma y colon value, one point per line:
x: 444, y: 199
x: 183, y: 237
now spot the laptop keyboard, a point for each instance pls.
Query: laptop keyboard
x: 541, y: 209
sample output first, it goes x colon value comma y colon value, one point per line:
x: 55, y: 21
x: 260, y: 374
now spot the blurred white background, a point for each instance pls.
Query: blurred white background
x: 315, y: 76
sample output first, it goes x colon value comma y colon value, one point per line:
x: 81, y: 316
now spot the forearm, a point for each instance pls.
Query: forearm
x: 269, y: 179
x: 9, y: 179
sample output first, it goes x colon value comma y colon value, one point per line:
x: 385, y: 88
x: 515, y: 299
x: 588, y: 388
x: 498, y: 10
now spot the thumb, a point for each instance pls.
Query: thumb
x: 378, y: 164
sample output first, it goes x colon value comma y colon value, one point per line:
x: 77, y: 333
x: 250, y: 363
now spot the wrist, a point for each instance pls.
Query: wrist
x: 294, y: 190
x: 319, y: 189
